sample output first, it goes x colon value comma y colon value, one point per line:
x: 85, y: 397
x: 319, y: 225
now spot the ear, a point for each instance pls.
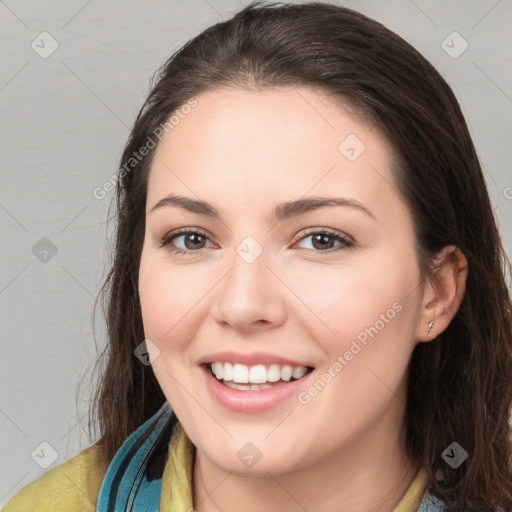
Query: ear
x: 443, y: 293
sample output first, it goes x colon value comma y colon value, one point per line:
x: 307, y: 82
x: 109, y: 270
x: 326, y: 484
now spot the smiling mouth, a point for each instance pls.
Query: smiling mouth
x: 255, y: 378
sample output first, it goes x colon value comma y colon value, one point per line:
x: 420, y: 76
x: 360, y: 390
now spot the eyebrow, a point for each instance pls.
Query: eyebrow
x: 281, y: 211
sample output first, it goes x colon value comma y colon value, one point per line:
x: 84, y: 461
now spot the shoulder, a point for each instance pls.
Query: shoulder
x: 70, y: 486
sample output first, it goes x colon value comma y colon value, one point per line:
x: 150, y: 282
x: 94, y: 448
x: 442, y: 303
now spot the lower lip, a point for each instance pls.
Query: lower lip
x: 252, y: 401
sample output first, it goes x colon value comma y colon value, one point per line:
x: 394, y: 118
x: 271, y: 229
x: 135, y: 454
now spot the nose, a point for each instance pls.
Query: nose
x: 250, y: 296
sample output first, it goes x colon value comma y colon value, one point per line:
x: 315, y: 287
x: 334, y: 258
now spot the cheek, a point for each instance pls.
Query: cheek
x: 171, y: 298
x: 159, y: 300
x: 367, y: 335
x: 369, y: 309
x: 168, y: 298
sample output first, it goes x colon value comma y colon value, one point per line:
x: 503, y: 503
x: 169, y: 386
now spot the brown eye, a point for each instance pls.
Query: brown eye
x: 192, y: 241
x: 322, y: 241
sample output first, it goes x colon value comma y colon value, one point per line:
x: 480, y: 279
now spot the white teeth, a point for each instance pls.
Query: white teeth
x: 227, y: 371
x: 273, y: 373
x: 246, y: 387
x: 299, y: 372
x: 217, y: 370
x: 256, y: 375
x: 240, y: 373
x: 286, y: 373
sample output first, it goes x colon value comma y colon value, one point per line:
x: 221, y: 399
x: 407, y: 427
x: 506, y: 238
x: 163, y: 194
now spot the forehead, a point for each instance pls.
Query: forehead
x: 245, y: 145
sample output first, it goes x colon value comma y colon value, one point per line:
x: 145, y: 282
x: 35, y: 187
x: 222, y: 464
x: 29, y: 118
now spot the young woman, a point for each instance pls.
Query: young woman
x: 307, y: 309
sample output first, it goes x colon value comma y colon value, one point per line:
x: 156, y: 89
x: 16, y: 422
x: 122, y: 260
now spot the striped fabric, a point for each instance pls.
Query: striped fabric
x: 133, y: 480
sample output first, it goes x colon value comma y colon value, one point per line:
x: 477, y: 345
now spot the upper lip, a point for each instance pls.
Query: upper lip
x: 250, y: 359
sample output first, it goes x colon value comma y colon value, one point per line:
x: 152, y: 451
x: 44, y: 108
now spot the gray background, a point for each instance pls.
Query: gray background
x: 65, y: 119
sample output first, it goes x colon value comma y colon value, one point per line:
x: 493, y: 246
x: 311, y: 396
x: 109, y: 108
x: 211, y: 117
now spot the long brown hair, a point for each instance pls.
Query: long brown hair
x: 460, y: 385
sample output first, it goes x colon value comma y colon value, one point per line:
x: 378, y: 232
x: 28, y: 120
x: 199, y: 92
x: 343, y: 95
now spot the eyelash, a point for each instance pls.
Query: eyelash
x: 346, y: 243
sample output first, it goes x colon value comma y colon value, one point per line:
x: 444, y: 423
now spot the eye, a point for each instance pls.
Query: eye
x: 194, y: 240
x: 323, y: 239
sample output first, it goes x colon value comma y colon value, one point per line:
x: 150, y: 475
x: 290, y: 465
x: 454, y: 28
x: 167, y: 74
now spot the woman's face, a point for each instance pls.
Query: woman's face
x: 251, y: 289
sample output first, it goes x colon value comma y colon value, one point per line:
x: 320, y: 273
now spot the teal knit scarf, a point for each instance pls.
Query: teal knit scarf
x: 133, y: 481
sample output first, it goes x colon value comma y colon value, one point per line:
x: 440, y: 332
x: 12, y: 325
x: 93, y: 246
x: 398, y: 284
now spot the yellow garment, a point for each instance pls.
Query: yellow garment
x: 177, y: 478
x: 69, y: 487
x: 412, y: 497
x: 74, y: 485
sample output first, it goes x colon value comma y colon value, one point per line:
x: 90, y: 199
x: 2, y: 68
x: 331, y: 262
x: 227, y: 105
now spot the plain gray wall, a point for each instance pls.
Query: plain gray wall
x: 65, y: 118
